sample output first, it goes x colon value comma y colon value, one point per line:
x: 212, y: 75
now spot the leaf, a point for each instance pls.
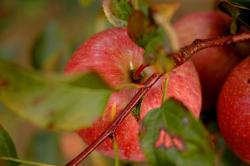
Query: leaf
x: 7, y: 147
x: 117, y: 11
x: 141, y: 29
x: 170, y: 135
x: 141, y: 5
x: 228, y: 158
x: 49, y: 50
x: 62, y: 103
x: 239, y: 10
x: 44, y: 147
x: 24, y: 162
x: 163, y: 13
x: 154, y: 33
x: 224, y: 155
x: 137, y: 111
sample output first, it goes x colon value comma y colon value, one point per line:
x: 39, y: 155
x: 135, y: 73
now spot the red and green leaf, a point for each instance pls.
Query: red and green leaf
x: 171, y: 135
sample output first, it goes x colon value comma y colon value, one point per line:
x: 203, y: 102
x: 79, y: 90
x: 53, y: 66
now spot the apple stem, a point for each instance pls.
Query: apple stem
x: 123, y: 114
x: 180, y: 57
x: 186, y: 53
x: 137, y: 73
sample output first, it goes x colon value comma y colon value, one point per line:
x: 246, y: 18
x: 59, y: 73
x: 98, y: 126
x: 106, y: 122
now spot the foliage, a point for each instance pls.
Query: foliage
x: 49, y: 50
x: 7, y: 147
x: 45, y: 147
x: 150, y: 29
x: 51, y: 101
x: 171, y: 135
x: 239, y: 10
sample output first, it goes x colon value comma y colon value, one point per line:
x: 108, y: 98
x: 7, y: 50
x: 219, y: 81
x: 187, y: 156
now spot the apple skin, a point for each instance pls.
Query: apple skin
x: 212, y: 64
x: 234, y: 110
x: 112, y: 54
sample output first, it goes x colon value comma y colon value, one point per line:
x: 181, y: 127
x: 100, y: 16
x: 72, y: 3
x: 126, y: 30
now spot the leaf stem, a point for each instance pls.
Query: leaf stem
x: 180, y: 57
x: 116, y: 150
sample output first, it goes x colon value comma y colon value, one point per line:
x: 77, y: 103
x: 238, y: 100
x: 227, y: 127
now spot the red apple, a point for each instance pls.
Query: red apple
x: 213, y: 64
x: 234, y: 110
x: 113, y: 55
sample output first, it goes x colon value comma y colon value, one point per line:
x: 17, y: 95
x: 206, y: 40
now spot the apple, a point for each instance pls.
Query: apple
x: 234, y: 110
x: 212, y: 64
x: 114, y: 56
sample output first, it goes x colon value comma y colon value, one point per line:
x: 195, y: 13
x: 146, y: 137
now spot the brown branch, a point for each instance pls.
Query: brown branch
x: 123, y: 114
x: 186, y: 53
x: 180, y: 57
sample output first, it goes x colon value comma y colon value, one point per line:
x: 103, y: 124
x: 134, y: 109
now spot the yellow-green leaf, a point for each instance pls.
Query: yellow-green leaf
x: 49, y: 101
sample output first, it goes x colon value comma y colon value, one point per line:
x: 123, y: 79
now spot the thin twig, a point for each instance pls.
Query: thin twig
x: 123, y: 114
x: 186, y: 53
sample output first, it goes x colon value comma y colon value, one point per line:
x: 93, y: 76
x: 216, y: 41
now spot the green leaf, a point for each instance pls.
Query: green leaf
x: 154, y: 44
x: 171, y: 135
x: 228, y: 158
x: 7, y: 147
x: 117, y: 11
x: 65, y: 103
x: 121, y: 8
x: 137, y: 111
x: 162, y: 14
x: 141, y: 5
x: 140, y: 28
x: 49, y: 50
x: 155, y: 35
x: 225, y: 156
x: 44, y: 147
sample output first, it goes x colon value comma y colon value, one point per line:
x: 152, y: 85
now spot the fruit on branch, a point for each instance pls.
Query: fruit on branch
x: 212, y: 64
x: 114, y: 56
x: 234, y: 110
